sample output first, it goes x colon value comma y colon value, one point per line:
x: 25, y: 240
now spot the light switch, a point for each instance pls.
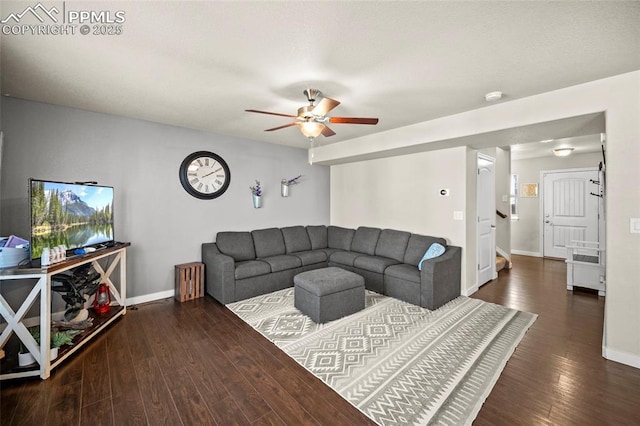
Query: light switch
x: 458, y: 215
x: 634, y: 225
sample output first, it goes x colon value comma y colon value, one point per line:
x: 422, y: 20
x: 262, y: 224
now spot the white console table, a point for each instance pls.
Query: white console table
x: 15, y: 320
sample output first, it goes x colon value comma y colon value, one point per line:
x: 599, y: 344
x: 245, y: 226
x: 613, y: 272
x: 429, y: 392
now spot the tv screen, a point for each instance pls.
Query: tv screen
x: 76, y: 215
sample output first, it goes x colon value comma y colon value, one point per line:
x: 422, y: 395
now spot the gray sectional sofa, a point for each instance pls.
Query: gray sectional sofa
x: 240, y: 265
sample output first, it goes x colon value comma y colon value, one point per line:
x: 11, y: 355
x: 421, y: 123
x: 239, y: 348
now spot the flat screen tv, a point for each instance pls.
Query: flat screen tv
x: 74, y: 214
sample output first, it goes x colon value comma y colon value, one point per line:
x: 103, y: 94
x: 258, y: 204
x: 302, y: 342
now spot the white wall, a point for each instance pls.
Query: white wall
x: 525, y: 232
x: 165, y: 225
x: 403, y: 193
x: 619, y: 98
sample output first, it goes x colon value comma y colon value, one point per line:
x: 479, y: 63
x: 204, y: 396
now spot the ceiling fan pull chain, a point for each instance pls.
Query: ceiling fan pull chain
x: 311, y: 150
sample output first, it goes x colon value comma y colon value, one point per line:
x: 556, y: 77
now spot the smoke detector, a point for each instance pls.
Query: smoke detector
x: 493, y: 96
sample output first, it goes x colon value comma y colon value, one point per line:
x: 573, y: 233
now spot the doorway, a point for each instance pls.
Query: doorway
x: 570, y: 209
x: 486, y: 212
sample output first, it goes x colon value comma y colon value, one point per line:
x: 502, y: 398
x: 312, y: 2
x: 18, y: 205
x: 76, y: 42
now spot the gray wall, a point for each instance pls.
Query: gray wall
x: 140, y: 159
x: 525, y: 232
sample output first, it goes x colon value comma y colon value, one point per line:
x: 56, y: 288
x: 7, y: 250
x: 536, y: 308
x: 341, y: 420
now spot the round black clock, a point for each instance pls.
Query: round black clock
x: 205, y: 175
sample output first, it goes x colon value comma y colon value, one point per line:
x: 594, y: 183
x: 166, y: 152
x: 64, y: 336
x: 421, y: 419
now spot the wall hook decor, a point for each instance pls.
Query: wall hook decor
x: 256, y: 192
x: 286, y: 183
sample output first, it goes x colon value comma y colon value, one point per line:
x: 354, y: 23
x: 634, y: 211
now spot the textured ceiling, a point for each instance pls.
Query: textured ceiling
x: 201, y: 64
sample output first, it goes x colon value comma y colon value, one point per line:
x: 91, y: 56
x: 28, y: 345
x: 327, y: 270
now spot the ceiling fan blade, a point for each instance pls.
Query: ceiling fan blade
x: 326, y: 132
x: 280, y: 127
x: 324, y: 106
x: 270, y: 113
x: 353, y: 120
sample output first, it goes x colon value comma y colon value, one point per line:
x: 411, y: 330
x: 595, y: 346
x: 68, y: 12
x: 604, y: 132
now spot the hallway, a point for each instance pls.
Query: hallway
x: 557, y: 374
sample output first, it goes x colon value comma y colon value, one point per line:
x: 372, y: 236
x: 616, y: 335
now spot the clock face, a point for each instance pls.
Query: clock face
x: 205, y: 175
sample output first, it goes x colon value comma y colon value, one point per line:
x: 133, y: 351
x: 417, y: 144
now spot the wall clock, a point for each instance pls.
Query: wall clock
x: 204, y: 175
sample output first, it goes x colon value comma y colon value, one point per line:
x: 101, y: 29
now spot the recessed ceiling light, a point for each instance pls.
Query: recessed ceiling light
x: 562, y: 152
x: 546, y: 141
x: 493, y: 96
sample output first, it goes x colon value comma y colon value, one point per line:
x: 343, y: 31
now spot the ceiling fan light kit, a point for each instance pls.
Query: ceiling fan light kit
x: 312, y: 120
x: 311, y: 129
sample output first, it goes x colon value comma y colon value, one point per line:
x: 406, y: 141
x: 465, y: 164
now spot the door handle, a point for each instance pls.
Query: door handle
x: 493, y: 227
x: 549, y: 222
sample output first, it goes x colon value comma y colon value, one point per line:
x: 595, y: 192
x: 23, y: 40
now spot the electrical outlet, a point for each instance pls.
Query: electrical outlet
x: 634, y: 225
x: 458, y: 215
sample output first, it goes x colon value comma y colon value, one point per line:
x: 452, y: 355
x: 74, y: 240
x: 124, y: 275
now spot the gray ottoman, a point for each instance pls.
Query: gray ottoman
x: 328, y: 294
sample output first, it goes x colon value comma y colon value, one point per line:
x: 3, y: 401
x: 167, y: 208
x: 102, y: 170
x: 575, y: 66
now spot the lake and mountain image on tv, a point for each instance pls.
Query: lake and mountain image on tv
x: 71, y: 214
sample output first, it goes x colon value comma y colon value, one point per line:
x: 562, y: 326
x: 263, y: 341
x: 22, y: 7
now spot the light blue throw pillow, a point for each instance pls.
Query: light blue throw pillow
x: 434, y: 251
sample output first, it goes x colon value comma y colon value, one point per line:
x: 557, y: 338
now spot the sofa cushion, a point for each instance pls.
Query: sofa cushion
x: 238, y: 245
x: 365, y: 240
x: 311, y: 257
x: 405, y: 290
x: 268, y: 242
x: 296, y: 239
x: 418, y: 245
x: 251, y: 268
x: 339, y: 238
x: 318, y: 236
x: 344, y: 257
x: 374, y: 263
x: 282, y: 262
x: 404, y: 272
x: 329, y: 251
x: 392, y: 244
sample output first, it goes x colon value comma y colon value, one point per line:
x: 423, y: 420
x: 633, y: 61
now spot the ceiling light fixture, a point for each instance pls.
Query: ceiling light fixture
x: 562, y: 152
x: 547, y: 141
x: 493, y: 96
x: 310, y: 129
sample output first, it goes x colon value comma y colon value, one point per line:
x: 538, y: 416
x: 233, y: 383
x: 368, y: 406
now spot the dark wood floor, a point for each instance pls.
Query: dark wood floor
x: 195, y: 363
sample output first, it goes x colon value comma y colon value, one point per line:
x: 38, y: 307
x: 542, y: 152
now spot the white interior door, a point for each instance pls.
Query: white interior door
x: 570, y: 212
x: 486, y: 203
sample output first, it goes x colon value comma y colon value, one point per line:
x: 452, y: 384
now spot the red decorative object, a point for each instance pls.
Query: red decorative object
x: 102, y: 301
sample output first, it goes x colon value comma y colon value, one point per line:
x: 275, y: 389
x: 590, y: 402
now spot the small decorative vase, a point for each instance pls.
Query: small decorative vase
x: 257, y: 201
x: 26, y: 359
x: 53, y: 354
x: 284, y: 189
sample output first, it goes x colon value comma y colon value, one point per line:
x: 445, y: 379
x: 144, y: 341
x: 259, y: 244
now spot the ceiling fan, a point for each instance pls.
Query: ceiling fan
x: 312, y: 119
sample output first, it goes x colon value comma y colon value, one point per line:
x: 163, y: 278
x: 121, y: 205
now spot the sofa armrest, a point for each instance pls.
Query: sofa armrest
x: 219, y: 273
x: 440, y: 278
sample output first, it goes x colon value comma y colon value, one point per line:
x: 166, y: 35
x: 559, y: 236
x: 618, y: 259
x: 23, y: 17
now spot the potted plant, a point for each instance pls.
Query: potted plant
x: 256, y: 191
x: 58, y: 338
x: 285, y: 183
x: 25, y: 358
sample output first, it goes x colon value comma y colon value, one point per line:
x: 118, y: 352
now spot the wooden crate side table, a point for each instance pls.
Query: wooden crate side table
x: 189, y: 281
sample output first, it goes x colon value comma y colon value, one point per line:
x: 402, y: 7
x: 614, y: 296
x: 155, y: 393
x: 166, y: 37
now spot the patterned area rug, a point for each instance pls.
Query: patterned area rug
x: 398, y: 363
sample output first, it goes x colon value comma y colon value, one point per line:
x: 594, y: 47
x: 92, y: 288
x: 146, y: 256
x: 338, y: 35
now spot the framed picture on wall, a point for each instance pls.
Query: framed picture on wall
x: 529, y: 190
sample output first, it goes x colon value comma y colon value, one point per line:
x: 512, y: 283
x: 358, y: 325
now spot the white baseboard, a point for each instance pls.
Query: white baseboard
x: 506, y: 255
x: 468, y: 292
x: 150, y: 297
x: 621, y: 357
x: 503, y: 253
x: 526, y: 253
